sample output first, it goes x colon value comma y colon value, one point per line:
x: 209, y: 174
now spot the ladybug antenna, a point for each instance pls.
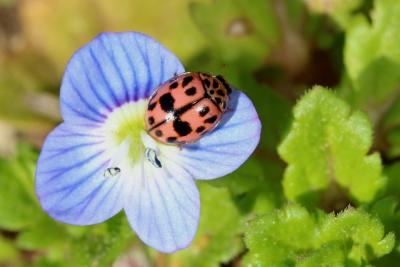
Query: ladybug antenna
x: 226, y: 85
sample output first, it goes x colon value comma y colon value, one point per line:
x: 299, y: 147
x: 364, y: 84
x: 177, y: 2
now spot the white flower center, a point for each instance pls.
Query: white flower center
x: 127, y: 140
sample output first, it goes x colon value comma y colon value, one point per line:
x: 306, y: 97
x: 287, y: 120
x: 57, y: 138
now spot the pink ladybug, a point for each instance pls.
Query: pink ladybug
x: 186, y: 107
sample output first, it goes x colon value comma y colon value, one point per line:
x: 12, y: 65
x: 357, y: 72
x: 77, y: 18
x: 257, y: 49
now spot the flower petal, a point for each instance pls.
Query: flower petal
x: 113, y: 69
x: 226, y: 148
x: 164, y: 207
x: 70, y: 181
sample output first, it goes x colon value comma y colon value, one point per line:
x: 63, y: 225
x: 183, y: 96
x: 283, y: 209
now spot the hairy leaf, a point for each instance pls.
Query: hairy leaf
x: 372, y: 57
x: 328, y: 145
x: 295, y: 237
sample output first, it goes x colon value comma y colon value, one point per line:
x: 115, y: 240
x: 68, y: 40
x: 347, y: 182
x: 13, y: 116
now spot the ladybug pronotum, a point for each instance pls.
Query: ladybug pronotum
x: 186, y: 107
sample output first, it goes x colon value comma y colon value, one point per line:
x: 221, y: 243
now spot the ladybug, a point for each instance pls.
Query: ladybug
x: 186, y: 107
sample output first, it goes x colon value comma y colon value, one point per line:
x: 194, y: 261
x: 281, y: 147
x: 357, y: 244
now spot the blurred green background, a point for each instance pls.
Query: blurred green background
x: 321, y: 189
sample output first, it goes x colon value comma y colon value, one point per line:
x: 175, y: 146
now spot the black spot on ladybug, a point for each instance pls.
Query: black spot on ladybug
x: 182, y: 127
x: 171, y: 139
x: 200, y: 129
x: 151, y: 106
x: 159, y: 133
x: 204, y: 111
x: 218, y: 100
x: 151, y: 120
x: 173, y: 85
x: 211, y: 119
x: 226, y: 85
x: 191, y: 91
x: 212, y: 92
x: 215, y: 84
x: 220, y: 92
x: 167, y: 102
x: 187, y: 80
x: 207, y: 83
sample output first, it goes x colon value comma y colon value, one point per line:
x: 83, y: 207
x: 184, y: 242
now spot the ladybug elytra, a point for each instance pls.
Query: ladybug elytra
x: 186, y: 107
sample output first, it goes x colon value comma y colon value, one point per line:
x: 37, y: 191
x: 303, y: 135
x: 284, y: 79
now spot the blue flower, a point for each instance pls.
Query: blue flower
x: 96, y: 163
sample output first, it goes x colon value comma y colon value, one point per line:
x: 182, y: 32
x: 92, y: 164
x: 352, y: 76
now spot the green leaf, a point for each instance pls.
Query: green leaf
x: 45, y: 234
x: 391, y: 129
x: 366, y: 42
x: 99, y: 245
x: 255, y: 186
x: 8, y: 253
x: 19, y: 207
x: 44, y: 262
x: 386, y: 210
x: 393, y: 182
x: 372, y: 56
x: 327, y: 145
x: 295, y: 237
x: 340, y: 10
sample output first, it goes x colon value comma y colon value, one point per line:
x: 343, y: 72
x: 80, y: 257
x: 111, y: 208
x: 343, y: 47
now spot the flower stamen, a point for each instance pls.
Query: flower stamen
x: 151, y: 156
x: 124, y: 127
x: 111, y: 172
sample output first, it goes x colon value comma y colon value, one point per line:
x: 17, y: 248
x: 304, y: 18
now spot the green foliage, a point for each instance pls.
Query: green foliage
x: 255, y: 187
x: 18, y: 204
x: 338, y: 153
x: 372, y: 60
x: 249, y: 30
x: 391, y: 127
x: 218, y: 237
x: 8, y: 252
x: 386, y: 210
x: 340, y: 10
x: 99, y: 245
x: 327, y: 144
x: 372, y: 56
x: 295, y: 237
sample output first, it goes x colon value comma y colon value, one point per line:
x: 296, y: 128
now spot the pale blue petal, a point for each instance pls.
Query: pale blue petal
x: 70, y: 181
x: 164, y: 207
x: 226, y: 148
x: 113, y: 69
